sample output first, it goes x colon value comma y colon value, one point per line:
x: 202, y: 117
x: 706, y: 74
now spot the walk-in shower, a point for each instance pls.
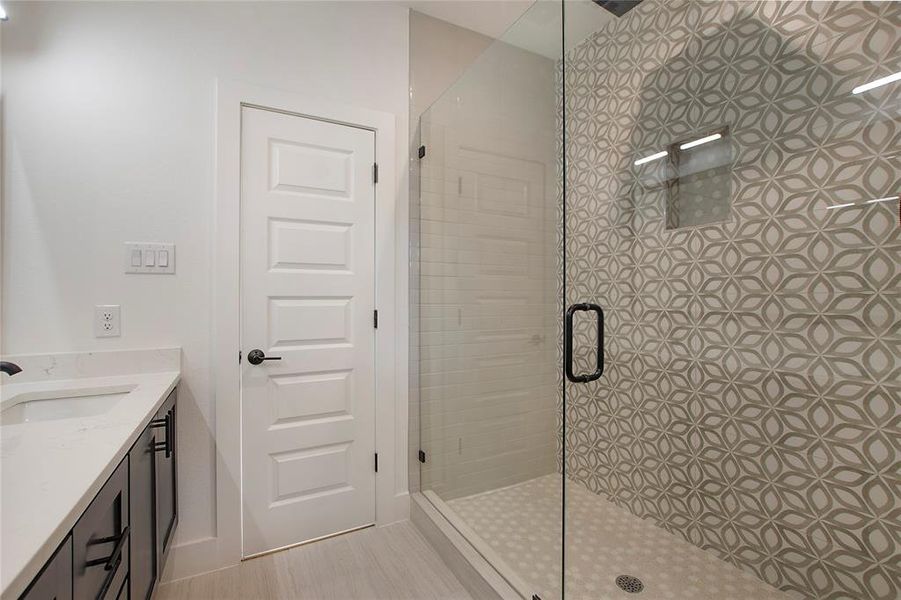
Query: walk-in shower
x: 706, y: 193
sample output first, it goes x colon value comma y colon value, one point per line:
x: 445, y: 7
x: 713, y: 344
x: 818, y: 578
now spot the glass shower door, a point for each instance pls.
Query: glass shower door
x: 657, y: 300
x: 489, y: 275
x: 732, y: 205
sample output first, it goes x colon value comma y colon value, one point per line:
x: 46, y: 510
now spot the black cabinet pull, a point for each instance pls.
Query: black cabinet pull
x: 110, y: 563
x: 568, y: 343
x: 170, y: 432
x: 166, y: 424
x: 108, y: 580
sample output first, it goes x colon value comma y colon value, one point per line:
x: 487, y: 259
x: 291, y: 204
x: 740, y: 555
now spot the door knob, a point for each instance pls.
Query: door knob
x: 257, y: 356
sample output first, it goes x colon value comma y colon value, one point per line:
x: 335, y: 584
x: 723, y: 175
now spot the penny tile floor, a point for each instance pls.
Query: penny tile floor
x: 522, y: 524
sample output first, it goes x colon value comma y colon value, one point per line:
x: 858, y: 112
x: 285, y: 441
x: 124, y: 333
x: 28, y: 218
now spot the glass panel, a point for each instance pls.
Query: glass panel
x: 732, y: 205
x: 489, y: 275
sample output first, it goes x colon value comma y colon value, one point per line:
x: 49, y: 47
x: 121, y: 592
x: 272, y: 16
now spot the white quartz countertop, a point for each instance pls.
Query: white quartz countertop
x: 51, y: 470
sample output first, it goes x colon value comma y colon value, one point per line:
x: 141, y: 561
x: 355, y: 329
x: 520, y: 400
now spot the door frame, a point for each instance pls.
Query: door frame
x: 391, y: 495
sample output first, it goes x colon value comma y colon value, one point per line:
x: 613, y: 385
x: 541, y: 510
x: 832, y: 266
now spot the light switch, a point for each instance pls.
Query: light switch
x: 150, y: 258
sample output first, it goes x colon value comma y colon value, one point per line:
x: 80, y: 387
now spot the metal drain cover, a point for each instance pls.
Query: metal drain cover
x: 630, y: 584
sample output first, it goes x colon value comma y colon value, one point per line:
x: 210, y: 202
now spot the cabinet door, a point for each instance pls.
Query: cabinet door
x: 166, y: 462
x: 55, y: 580
x: 100, y: 541
x: 142, y: 508
x: 123, y: 593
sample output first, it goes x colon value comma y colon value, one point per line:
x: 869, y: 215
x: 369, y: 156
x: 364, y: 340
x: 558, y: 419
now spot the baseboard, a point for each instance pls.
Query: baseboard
x: 477, y: 575
x: 400, y: 511
x: 193, y: 558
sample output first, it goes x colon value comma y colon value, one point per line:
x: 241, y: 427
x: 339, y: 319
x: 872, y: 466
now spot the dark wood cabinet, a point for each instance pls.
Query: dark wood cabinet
x: 100, y: 542
x: 118, y: 547
x: 55, y: 580
x: 143, y: 571
x: 166, y: 466
x: 123, y: 591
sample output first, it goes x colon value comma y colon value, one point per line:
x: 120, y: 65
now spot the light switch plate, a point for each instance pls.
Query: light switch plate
x: 107, y: 320
x: 144, y: 257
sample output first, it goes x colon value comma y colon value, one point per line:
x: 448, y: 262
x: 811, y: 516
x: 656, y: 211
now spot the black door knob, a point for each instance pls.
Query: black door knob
x: 257, y: 356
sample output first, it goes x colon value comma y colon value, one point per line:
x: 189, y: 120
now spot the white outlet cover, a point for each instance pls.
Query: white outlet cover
x: 107, y: 320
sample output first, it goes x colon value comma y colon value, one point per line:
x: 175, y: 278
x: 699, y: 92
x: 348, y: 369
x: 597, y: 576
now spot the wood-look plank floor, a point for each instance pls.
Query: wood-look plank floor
x: 386, y: 563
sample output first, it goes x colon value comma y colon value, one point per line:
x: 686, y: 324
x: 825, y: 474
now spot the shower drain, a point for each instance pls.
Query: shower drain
x: 631, y: 584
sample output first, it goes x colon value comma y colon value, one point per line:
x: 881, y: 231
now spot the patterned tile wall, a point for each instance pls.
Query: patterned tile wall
x: 750, y: 402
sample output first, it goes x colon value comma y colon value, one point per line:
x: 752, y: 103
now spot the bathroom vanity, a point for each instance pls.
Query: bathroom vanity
x: 88, y: 466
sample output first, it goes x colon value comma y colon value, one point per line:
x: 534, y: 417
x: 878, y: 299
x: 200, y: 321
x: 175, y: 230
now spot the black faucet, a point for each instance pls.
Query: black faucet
x: 10, y: 368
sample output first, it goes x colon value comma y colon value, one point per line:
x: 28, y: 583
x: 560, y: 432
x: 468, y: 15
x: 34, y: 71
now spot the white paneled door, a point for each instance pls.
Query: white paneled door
x: 307, y: 293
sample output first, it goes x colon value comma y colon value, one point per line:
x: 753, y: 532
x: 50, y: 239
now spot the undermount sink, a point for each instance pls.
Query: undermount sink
x: 63, y: 404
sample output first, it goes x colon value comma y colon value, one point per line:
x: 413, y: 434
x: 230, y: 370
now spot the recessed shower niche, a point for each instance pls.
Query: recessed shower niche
x: 698, y: 182
x: 695, y: 173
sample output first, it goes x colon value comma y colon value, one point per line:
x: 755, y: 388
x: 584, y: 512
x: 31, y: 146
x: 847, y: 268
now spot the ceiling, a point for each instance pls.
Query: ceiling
x: 488, y: 17
x: 537, y: 23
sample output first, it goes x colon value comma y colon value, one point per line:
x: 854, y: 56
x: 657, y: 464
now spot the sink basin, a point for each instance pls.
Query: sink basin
x: 63, y: 404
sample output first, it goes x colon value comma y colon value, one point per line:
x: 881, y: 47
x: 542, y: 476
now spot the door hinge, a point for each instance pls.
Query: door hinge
x: 422, y: 152
x: 375, y: 319
x: 375, y: 172
x: 239, y: 357
x: 422, y: 456
x: 376, y: 462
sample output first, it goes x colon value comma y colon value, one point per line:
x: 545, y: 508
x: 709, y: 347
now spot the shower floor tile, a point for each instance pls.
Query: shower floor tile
x: 521, y: 523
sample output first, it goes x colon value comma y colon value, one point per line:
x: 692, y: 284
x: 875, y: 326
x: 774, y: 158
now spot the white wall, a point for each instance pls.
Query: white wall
x: 440, y: 53
x: 108, y: 112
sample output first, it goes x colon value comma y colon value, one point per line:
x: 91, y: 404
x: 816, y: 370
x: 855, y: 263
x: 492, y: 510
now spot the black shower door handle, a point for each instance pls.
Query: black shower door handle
x: 568, y: 343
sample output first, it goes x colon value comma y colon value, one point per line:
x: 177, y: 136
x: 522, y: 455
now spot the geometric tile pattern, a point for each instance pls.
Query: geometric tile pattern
x: 522, y: 524
x: 750, y: 401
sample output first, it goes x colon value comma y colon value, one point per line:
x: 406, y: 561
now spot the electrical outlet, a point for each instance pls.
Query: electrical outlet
x: 107, y: 320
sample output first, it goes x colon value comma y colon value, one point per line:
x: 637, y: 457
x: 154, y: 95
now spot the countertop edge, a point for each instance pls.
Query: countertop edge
x: 13, y: 588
